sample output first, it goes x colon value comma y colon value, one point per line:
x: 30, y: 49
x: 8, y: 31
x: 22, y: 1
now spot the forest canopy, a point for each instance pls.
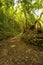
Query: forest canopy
x: 17, y: 15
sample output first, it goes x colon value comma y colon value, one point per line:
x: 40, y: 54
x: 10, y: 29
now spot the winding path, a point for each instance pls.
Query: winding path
x: 15, y: 52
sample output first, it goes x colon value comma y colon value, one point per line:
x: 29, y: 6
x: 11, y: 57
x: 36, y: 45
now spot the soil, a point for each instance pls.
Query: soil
x: 14, y: 51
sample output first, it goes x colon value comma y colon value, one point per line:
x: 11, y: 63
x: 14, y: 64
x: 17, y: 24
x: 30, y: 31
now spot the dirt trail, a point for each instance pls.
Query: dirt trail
x: 15, y: 52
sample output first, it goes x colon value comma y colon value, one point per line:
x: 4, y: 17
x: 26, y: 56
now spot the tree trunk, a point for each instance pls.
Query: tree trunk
x: 35, y: 24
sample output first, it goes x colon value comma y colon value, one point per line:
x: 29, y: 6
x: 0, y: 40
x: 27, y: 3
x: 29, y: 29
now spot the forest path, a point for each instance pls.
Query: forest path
x: 16, y: 52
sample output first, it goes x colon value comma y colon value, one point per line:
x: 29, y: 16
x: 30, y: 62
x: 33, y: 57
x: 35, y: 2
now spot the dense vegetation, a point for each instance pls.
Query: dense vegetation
x: 21, y: 32
x: 18, y: 16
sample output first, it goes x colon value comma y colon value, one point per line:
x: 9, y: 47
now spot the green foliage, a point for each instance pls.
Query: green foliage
x: 8, y: 25
x: 13, y: 17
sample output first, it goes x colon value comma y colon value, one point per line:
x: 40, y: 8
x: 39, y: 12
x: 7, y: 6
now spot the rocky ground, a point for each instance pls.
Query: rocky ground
x: 14, y: 51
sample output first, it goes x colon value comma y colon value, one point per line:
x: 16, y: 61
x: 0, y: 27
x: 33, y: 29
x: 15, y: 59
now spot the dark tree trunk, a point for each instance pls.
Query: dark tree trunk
x: 33, y: 26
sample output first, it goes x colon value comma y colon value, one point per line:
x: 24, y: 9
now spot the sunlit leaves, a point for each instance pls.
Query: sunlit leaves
x: 15, y: 14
